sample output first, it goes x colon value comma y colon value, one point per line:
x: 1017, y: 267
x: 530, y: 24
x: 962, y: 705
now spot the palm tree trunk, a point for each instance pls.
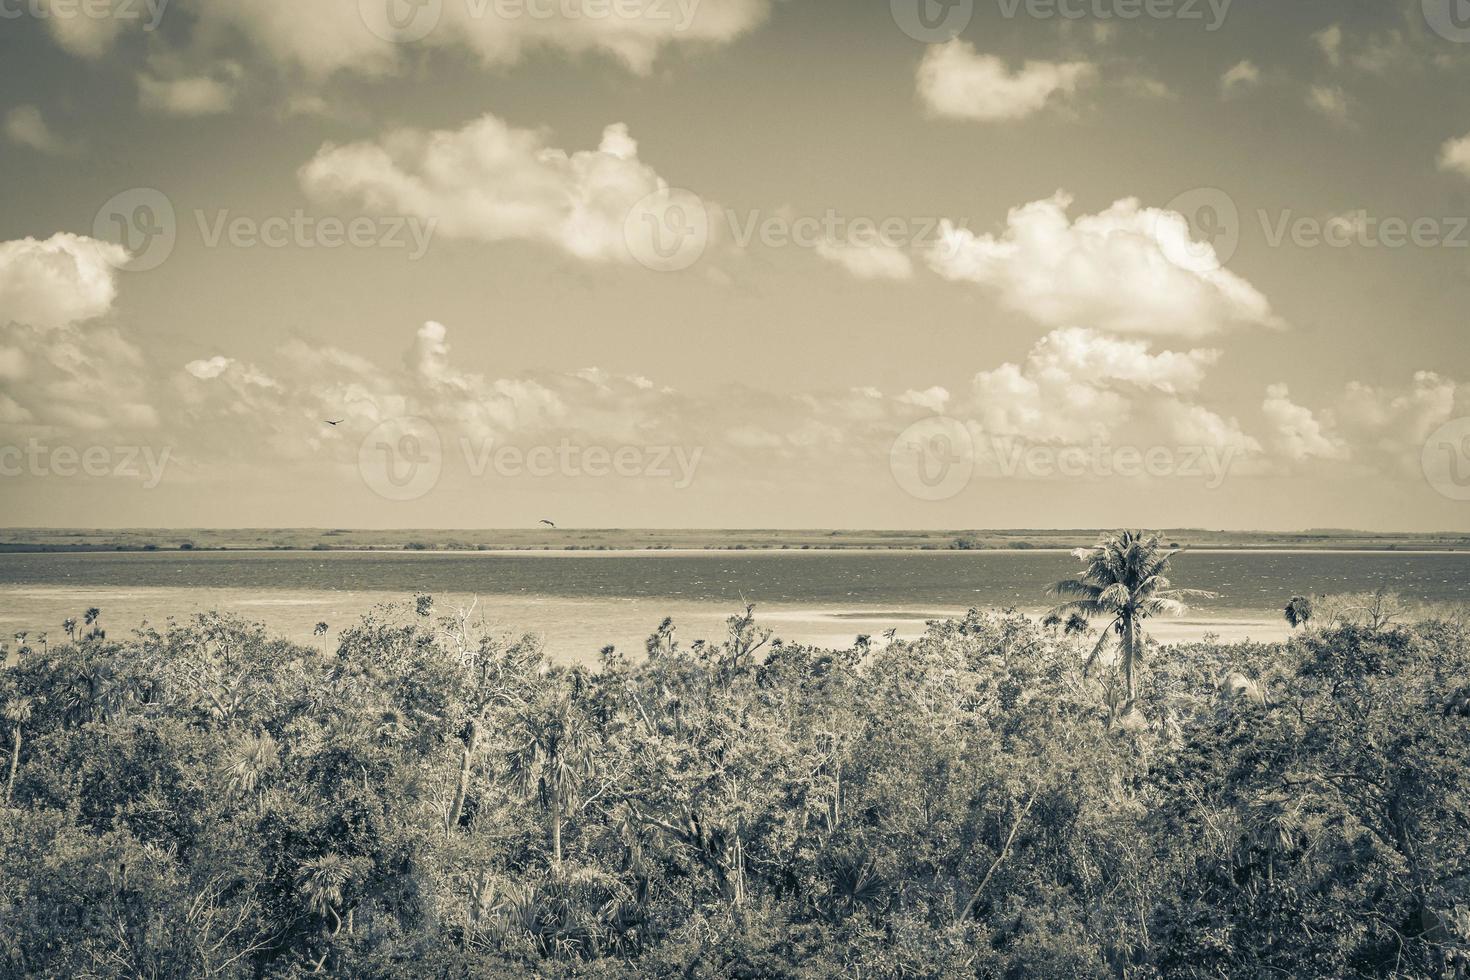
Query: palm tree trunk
x: 14, y: 764
x: 1130, y: 654
x: 556, y: 829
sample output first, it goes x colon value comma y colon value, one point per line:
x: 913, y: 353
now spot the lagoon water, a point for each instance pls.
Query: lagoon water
x: 580, y: 601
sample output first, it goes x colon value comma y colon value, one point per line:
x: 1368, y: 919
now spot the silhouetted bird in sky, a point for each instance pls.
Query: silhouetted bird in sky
x: 548, y: 523
x: 336, y: 423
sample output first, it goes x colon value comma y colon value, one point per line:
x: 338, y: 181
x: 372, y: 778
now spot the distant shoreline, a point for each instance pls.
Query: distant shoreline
x: 557, y: 541
x: 656, y: 552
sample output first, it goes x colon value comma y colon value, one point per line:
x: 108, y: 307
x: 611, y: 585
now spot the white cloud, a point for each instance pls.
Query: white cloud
x: 1329, y: 42
x: 1241, y: 77
x: 1454, y: 157
x: 1295, y: 431
x: 957, y: 83
x: 1128, y: 269
x: 933, y: 399
x: 1377, y: 429
x: 209, y: 368
x: 64, y: 279
x: 871, y: 260
x: 57, y: 370
x: 1331, y: 101
x: 26, y: 126
x: 188, y: 96
x: 327, y: 36
x: 1077, y: 385
x: 90, y: 378
x: 1392, y: 424
x: 86, y: 34
x: 492, y: 182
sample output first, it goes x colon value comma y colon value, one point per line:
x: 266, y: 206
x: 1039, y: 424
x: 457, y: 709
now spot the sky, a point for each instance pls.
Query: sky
x: 735, y: 263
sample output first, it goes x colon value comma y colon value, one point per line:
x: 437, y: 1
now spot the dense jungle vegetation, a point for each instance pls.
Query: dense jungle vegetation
x: 986, y: 801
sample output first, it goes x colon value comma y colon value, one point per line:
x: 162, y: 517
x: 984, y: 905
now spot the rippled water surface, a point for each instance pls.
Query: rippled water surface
x: 580, y: 601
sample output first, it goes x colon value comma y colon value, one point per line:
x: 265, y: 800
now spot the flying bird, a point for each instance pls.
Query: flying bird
x: 548, y: 523
x: 332, y: 423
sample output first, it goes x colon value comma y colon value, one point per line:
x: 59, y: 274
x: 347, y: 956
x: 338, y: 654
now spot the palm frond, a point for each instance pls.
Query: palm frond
x: 1075, y: 588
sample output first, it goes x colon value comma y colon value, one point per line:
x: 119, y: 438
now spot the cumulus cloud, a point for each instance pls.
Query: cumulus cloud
x: 57, y: 369
x: 1330, y: 101
x: 1390, y: 425
x: 26, y: 126
x: 956, y: 82
x: 1329, y: 42
x: 1454, y: 156
x: 1128, y: 269
x: 208, y: 368
x: 1375, y: 428
x: 1078, y: 385
x: 868, y: 260
x: 188, y: 96
x: 1240, y: 78
x: 324, y: 37
x: 64, y: 279
x: 491, y: 182
x: 89, y: 36
x: 934, y: 398
x: 1295, y: 432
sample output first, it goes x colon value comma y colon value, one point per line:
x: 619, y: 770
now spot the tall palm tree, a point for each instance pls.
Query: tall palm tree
x: 1123, y: 579
x: 17, y: 712
x: 549, y: 760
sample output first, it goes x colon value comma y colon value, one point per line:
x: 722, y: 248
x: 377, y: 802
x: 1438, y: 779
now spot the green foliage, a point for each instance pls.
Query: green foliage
x: 431, y: 800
